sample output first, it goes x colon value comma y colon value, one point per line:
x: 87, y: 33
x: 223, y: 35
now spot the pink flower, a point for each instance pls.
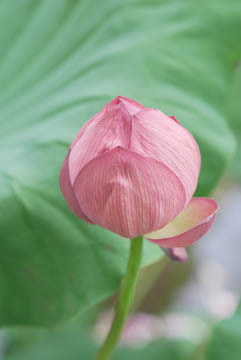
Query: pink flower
x: 133, y: 170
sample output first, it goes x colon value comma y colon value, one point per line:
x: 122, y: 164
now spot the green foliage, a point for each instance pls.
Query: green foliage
x: 226, y: 340
x: 165, y: 349
x: 234, y: 111
x: 61, y: 61
x: 73, y: 344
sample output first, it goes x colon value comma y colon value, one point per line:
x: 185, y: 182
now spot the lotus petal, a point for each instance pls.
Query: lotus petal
x: 162, y: 138
x: 127, y: 193
x: 176, y: 254
x: 189, y: 226
x: 110, y: 128
x: 68, y: 191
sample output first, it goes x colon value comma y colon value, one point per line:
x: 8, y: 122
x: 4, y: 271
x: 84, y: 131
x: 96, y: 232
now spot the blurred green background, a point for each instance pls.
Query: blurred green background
x: 60, y: 62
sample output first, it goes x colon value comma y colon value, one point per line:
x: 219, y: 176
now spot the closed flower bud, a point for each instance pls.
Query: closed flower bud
x: 133, y: 170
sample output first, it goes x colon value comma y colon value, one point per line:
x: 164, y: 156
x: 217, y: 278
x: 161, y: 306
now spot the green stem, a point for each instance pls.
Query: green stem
x: 125, y: 299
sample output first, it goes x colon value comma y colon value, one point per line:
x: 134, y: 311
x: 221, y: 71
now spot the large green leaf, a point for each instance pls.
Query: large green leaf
x: 234, y: 111
x: 61, y: 61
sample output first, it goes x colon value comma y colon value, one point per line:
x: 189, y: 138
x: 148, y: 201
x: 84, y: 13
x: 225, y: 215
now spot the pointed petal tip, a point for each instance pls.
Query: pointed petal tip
x: 174, y: 118
x: 130, y: 106
x: 176, y: 254
x: 120, y: 98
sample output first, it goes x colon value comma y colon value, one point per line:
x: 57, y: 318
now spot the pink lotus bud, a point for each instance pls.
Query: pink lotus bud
x: 132, y: 170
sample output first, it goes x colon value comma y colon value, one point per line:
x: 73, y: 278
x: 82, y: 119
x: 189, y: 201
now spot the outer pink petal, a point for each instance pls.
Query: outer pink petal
x: 68, y: 191
x: 110, y: 128
x: 189, y: 226
x: 176, y: 254
x: 160, y: 137
x: 128, y: 194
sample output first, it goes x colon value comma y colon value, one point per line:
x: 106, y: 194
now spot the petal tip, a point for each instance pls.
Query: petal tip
x: 176, y: 254
x: 174, y: 118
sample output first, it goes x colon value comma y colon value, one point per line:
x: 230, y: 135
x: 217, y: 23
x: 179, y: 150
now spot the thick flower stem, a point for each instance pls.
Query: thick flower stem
x: 125, y: 299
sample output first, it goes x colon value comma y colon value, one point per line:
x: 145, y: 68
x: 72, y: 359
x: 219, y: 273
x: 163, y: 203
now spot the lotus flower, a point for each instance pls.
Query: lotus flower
x: 133, y: 170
